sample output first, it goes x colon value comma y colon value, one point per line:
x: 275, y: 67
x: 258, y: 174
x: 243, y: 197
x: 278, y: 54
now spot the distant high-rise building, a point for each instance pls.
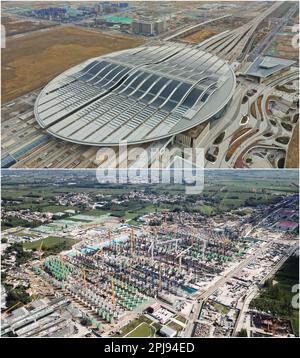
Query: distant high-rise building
x: 149, y: 27
x: 136, y: 27
x: 143, y: 27
x: 160, y: 26
x: 99, y: 8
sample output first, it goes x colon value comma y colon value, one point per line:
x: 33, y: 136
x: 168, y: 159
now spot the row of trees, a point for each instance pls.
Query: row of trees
x: 277, y: 298
x: 15, y: 295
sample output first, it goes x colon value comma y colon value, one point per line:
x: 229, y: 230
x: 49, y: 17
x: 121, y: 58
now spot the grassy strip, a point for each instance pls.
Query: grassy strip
x: 51, y: 243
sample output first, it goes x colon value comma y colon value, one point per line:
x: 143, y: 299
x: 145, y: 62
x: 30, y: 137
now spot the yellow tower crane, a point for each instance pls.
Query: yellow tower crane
x: 113, y: 292
x: 132, y: 243
x: 83, y: 272
x: 98, y: 252
x: 159, y: 279
x: 110, y: 240
x: 40, y: 249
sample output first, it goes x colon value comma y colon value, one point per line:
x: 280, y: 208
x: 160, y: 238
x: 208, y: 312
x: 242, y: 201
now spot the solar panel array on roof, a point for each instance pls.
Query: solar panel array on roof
x: 139, y: 95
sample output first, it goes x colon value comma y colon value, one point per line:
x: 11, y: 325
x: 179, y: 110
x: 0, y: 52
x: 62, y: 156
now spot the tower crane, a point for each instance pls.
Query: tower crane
x: 159, y: 279
x: 83, y: 271
x: 113, y: 292
x: 98, y: 252
x: 151, y: 247
x: 132, y: 243
x: 40, y: 249
x: 181, y: 254
x: 110, y: 240
x: 62, y: 262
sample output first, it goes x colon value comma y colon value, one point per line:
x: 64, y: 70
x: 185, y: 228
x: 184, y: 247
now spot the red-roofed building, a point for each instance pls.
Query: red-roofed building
x: 287, y: 214
x: 154, y: 307
x: 286, y: 225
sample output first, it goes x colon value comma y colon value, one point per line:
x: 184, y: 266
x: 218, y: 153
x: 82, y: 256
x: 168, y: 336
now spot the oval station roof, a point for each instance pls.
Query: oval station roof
x: 137, y: 95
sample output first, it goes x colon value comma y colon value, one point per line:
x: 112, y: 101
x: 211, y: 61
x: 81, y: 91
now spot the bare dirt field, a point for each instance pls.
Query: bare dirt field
x: 7, y: 5
x: 201, y: 35
x: 292, y: 158
x: 282, y: 46
x: 15, y: 27
x: 210, y: 30
x: 32, y: 61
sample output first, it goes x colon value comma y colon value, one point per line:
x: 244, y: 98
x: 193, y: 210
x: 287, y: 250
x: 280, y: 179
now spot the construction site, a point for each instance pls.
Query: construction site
x: 154, y: 273
x: 114, y: 275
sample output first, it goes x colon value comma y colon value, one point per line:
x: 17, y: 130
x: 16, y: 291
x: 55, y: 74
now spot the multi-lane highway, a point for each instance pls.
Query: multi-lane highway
x: 233, y: 45
x: 189, y: 29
